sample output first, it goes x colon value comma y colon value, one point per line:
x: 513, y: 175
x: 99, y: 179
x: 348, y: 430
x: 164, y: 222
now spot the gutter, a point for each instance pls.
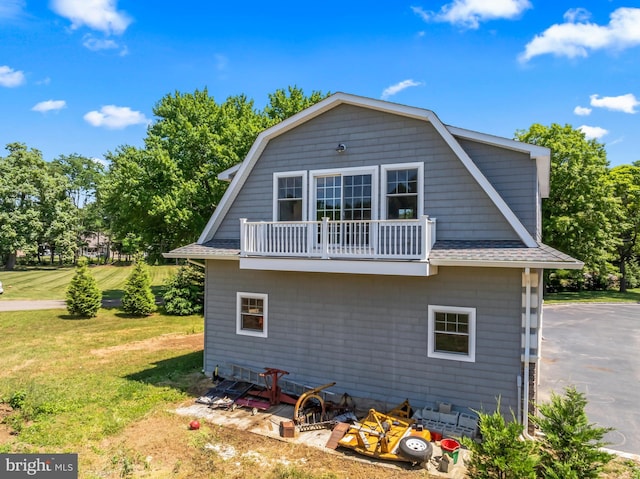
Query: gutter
x: 527, y: 354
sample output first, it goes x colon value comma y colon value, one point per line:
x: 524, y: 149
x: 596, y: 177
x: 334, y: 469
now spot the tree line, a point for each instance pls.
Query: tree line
x: 159, y: 196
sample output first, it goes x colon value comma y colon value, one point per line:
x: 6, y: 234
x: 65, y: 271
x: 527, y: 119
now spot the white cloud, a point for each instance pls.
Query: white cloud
x: 577, y: 36
x: 398, y: 87
x: 11, y: 8
x: 101, y: 15
x: 96, y: 44
x: 592, y: 132
x: 10, y: 77
x: 582, y: 111
x: 574, y: 15
x: 624, y: 103
x: 115, y: 117
x: 469, y: 13
x: 49, y: 105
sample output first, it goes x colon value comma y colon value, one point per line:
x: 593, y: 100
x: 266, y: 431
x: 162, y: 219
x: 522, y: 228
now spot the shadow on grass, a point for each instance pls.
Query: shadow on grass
x: 182, y: 372
x: 73, y: 317
x: 113, y: 294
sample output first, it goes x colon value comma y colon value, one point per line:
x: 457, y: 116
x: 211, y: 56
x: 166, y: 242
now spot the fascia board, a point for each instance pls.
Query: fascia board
x: 229, y: 173
x: 541, y: 154
x: 507, y: 264
x: 331, y: 102
x: 201, y: 256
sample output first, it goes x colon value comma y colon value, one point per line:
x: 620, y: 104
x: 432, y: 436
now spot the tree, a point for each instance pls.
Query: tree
x: 84, y: 298
x: 283, y: 104
x: 166, y: 192
x: 570, y: 445
x: 501, y: 454
x: 576, y: 218
x: 184, y: 293
x: 58, y: 215
x: 138, y: 299
x: 22, y: 178
x: 84, y: 176
x: 625, y: 181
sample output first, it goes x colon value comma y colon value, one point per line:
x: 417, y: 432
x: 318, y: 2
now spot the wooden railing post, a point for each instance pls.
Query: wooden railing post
x: 324, y: 235
x: 243, y: 237
x: 426, y: 237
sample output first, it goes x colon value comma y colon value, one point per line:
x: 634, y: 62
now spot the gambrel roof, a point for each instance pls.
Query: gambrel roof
x: 526, y: 251
x: 239, y: 173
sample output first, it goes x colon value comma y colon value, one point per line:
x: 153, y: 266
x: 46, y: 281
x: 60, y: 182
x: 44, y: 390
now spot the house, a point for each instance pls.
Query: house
x: 367, y: 243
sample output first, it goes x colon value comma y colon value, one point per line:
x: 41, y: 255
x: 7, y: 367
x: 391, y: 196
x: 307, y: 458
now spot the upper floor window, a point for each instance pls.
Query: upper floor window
x: 403, y: 191
x: 289, y: 188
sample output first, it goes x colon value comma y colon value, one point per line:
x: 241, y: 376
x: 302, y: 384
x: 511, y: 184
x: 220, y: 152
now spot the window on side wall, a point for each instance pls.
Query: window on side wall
x: 452, y: 333
x: 289, y: 196
x: 403, y: 191
x: 252, y: 317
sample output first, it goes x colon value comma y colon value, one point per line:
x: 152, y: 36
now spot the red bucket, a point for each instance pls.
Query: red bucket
x: 450, y: 447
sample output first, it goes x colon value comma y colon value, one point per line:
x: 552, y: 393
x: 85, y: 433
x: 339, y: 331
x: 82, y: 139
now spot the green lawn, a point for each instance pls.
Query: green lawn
x: 72, y: 381
x: 52, y: 282
x: 631, y: 296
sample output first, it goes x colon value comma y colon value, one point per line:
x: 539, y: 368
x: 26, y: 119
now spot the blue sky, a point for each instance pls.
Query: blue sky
x: 82, y: 76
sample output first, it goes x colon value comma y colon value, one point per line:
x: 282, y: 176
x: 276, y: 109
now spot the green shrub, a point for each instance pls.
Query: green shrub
x: 570, y: 446
x: 184, y: 294
x: 138, y: 299
x: 83, y: 297
x: 502, y: 454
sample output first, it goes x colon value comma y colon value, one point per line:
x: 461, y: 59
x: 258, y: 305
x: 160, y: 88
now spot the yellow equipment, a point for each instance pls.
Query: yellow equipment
x: 386, y: 436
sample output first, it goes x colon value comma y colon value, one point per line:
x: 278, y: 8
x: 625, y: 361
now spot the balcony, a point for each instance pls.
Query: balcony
x: 344, y: 239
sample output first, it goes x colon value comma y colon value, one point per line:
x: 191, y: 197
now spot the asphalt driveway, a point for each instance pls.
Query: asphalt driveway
x: 596, y: 348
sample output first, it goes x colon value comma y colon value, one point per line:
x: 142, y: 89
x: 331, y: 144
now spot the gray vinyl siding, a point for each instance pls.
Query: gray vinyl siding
x: 369, y: 333
x: 513, y: 175
x: 462, y: 209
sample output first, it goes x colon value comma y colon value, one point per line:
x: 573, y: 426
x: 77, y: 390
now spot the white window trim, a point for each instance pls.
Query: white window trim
x: 432, y: 353
x: 305, y: 193
x: 368, y: 170
x: 265, y: 313
x: 383, y: 185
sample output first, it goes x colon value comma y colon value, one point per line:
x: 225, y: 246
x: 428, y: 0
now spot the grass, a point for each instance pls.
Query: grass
x: 52, y: 282
x: 71, y: 380
x: 631, y: 296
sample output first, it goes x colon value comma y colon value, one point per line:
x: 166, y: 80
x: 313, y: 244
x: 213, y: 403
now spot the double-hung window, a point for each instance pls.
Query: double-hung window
x: 452, y: 333
x: 403, y: 187
x: 252, y: 314
x: 289, y: 196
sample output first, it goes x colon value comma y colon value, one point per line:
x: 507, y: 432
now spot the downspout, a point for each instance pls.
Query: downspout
x: 527, y: 353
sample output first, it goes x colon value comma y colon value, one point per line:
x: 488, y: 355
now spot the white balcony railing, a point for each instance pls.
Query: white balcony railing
x: 369, y: 239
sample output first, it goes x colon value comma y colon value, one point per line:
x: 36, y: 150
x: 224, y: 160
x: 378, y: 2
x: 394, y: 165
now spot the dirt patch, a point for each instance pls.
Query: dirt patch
x: 6, y: 432
x: 164, y: 342
x: 162, y: 445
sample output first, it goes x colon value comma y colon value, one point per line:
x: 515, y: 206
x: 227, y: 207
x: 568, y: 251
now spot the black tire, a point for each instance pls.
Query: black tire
x: 415, y: 449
